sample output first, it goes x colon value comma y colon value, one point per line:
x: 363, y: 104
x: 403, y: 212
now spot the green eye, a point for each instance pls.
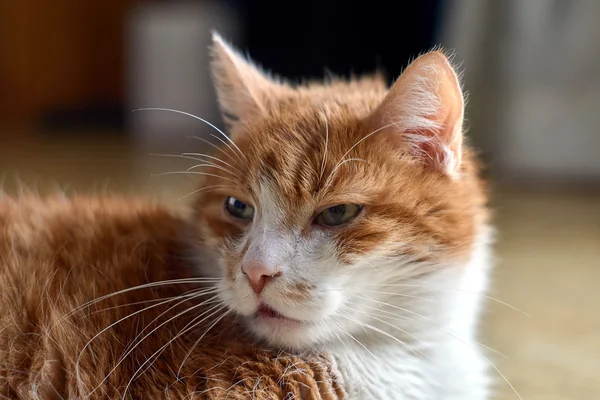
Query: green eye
x: 338, y: 215
x: 238, y: 208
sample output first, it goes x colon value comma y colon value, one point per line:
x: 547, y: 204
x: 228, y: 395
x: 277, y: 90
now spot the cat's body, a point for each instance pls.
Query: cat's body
x: 339, y: 217
x: 57, y: 255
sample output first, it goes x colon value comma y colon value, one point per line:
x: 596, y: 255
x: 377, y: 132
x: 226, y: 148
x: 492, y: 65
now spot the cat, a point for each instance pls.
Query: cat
x: 99, y: 299
x: 351, y: 217
x: 338, y: 248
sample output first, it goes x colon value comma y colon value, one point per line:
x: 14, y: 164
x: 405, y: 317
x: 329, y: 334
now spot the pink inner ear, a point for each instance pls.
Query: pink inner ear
x: 428, y: 146
x: 439, y: 147
x: 426, y: 107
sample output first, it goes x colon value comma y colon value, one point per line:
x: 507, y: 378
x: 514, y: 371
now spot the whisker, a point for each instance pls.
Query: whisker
x: 406, y: 310
x: 199, y: 339
x: 135, y: 303
x: 208, y: 162
x: 399, y: 294
x: 396, y: 316
x: 359, y: 342
x: 384, y: 333
x: 192, y: 324
x: 193, y: 116
x: 198, y: 294
x: 356, y: 144
x: 326, y: 142
x: 186, y: 298
x: 458, y: 290
x: 327, y: 182
x: 229, y: 147
x: 206, y: 188
x: 213, y: 145
x: 157, y: 353
x: 193, y: 173
x: 183, y: 156
x: 139, y: 287
x: 482, y: 355
x: 391, y: 325
x: 503, y: 377
x: 210, y: 157
x: 339, y: 326
x: 145, y: 337
x: 210, y: 165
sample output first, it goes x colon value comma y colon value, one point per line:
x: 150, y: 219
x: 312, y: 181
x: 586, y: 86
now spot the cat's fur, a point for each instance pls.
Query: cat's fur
x: 394, y: 295
x: 396, y: 292
x: 59, y: 254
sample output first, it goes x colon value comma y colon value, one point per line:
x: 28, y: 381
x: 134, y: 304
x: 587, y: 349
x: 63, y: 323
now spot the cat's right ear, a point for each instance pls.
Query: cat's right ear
x: 243, y: 90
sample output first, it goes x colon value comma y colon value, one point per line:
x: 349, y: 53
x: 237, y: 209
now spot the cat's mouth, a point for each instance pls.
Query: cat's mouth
x: 267, y: 313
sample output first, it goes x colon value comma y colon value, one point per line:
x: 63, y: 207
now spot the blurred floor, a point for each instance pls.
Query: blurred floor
x: 548, y: 254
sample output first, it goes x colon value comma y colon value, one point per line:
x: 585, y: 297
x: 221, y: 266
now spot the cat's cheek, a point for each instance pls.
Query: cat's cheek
x: 239, y: 298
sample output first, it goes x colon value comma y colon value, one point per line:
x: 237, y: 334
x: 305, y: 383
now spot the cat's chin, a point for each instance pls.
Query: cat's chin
x: 280, y: 331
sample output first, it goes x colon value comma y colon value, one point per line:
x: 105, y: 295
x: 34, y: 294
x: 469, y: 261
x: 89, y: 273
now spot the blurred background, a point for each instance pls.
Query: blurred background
x: 71, y: 71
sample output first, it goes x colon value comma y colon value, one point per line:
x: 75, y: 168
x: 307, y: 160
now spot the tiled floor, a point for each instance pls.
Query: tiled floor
x: 548, y: 256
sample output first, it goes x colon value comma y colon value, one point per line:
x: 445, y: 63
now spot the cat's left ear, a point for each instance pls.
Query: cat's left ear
x: 424, y: 110
x: 243, y: 90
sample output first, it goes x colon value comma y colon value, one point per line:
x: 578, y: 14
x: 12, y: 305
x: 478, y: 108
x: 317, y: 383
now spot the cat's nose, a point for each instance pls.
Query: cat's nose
x: 259, y: 274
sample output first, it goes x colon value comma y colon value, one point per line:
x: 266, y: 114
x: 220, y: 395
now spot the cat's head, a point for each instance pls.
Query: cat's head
x: 327, y: 192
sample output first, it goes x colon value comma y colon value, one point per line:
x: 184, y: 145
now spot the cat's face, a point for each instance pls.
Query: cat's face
x: 319, y: 201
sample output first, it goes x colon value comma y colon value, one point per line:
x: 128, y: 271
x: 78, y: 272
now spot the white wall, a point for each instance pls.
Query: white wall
x: 536, y: 68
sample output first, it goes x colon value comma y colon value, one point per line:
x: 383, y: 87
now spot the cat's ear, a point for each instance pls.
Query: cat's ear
x: 425, y: 109
x: 243, y: 90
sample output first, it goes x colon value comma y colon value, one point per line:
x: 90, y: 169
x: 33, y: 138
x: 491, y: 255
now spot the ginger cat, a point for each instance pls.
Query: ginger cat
x: 338, y: 249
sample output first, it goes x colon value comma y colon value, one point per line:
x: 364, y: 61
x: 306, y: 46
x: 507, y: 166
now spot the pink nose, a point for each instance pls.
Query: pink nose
x: 259, y: 275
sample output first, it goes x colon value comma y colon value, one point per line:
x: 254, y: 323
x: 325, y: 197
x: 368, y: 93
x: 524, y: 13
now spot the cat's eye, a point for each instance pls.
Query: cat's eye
x: 238, y: 208
x: 338, y: 215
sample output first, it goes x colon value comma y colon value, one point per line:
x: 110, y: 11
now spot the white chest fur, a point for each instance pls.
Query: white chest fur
x: 448, y: 365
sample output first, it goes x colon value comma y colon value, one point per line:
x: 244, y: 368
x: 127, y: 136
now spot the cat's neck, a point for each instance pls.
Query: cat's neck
x: 403, y: 359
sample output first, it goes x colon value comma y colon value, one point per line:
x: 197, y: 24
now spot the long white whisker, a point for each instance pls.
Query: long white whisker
x: 390, y: 325
x: 144, y: 338
x: 398, y: 294
x: 209, y: 157
x: 183, y: 156
x: 203, y: 189
x: 211, y: 165
x: 406, y: 310
x: 118, y: 322
x: 189, y: 353
x: 326, y: 143
x: 135, y: 303
x: 496, y: 300
x: 365, y: 138
x: 382, y: 332
x: 193, y: 173
x: 356, y: 144
x: 208, y: 162
x: 229, y: 147
x: 193, y: 116
x: 139, y: 287
x: 200, y: 294
x: 405, y: 318
x: 215, y: 146
x: 162, y: 348
x: 395, y: 315
x: 339, y: 165
x: 483, y: 355
x: 345, y: 332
